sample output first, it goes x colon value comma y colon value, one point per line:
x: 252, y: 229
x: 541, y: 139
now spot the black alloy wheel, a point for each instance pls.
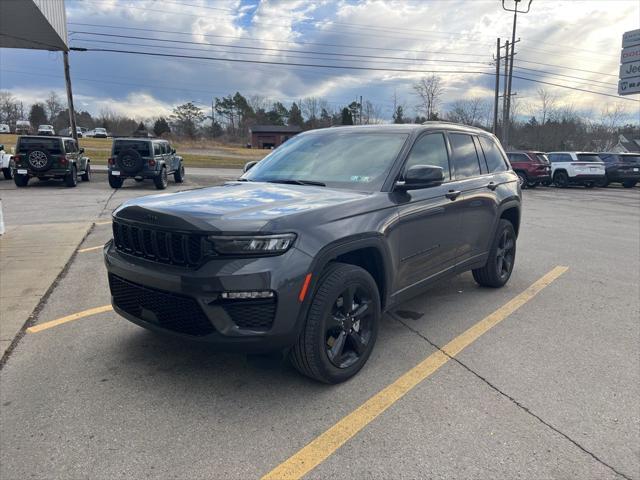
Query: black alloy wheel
x: 505, y: 254
x: 348, y: 329
x: 561, y: 179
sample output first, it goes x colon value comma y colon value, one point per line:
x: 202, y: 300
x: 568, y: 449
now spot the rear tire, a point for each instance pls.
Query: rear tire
x: 629, y: 184
x: 8, y: 175
x: 333, y: 346
x: 502, y: 257
x: 532, y: 184
x: 561, y: 179
x: 161, y: 181
x: 21, y: 180
x: 115, y: 182
x: 71, y: 179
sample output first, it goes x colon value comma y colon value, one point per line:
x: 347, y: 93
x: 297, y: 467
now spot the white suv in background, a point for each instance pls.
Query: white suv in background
x: 576, y: 168
x: 4, y: 128
x: 46, y: 130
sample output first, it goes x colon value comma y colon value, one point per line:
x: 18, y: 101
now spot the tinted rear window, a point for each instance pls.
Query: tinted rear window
x: 140, y: 146
x: 630, y: 158
x: 492, y: 154
x: 542, y: 157
x: 52, y: 145
x: 588, y: 157
x: 465, y: 157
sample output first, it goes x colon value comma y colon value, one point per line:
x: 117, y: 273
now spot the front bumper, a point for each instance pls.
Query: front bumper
x: 186, y: 302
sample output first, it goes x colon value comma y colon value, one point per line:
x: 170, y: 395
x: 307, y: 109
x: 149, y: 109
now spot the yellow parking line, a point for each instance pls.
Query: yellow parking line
x: 102, y: 223
x: 328, y: 442
x: 90, y: 249
x: 69, y: 318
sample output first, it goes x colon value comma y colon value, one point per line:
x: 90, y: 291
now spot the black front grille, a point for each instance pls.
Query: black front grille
x: 253, y: 314
x: 158, y: 245
x: 167, y: 310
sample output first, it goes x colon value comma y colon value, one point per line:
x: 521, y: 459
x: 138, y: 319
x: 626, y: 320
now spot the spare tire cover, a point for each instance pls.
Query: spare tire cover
x: 130, y: 161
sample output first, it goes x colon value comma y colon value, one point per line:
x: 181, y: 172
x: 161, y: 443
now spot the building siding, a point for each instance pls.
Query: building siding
x: 54, y: 12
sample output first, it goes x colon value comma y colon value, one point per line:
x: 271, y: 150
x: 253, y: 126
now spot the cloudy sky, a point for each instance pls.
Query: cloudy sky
x: 572, y: 43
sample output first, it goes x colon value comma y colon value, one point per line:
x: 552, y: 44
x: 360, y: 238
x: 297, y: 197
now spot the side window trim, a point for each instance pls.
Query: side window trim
x: 447, y: 146
x: 452, y: 159
x: 484, y: 166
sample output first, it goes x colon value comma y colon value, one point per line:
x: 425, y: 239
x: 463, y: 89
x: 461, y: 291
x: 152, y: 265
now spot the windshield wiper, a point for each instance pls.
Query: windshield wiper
x: 298, y: 182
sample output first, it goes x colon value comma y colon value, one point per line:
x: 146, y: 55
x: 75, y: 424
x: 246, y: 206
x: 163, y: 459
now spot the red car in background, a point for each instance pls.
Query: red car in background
x: 533, y: 168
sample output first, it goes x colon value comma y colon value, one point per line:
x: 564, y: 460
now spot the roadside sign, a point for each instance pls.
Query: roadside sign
x: 631, y: 39
x: 629, y: 77
x: 628, y: 70
x: 629, y: 86
x: 630, y: 54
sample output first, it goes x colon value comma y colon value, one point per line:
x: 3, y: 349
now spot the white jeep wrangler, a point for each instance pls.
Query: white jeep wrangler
x: 5, y: 163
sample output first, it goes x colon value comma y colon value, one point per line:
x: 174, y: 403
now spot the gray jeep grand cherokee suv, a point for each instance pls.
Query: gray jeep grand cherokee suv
x: 307, y: 249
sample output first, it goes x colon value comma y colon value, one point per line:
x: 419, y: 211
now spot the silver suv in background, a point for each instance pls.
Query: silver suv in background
x: 44, y: 130
x: 576, y: 168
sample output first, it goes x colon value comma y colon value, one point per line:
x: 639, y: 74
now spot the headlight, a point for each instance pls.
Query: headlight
x: 252, y: 244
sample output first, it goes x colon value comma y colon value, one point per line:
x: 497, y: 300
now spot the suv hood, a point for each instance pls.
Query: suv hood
x: 242, y: 207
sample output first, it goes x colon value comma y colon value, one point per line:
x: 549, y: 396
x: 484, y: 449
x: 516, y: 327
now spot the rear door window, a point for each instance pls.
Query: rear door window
x: 560, y: 157
x: 52, y: 145
x: 70, y: 146
x: 493, y: 155
x: 140, y: 146
x: 157, y: 149
x: 465, y: 157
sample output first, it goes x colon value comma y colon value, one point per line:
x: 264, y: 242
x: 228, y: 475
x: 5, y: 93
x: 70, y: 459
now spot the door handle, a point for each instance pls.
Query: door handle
x: 492, y: 186
x: 452, y: 194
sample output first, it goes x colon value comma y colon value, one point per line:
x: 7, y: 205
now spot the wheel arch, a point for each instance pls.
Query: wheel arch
x: 511, y: 211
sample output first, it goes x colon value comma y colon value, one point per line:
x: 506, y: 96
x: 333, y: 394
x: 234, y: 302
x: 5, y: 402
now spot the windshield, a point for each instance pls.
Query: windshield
x: 589, y: 157
x: 52, y: 145
x: 141, y: 146
x: 352, y: 160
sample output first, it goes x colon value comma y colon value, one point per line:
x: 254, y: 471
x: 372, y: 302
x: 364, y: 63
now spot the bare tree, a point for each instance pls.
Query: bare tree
x: 429, y: 90
x: 546, y: 105
x: 371, y: 114
x: 54, y: 106
x: 311, y: 110
x: 10, y: 108
x: 472, y: 111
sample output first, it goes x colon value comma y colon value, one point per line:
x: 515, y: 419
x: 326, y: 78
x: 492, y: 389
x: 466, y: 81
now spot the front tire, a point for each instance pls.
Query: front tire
x: 86, y: 176
x: 561, y: 179
x: 71, y: 179
x: 161, y: 181
x: 178, y: 175
x: 522, y: 179
x: 629, y: 183
x: 341, y: 326
x: 502, y: 256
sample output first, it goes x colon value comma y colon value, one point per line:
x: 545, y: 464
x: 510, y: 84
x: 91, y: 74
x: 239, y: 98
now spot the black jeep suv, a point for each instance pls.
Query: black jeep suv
x: 48, y: 157
x: 307, y: 249
x: 621, y: 168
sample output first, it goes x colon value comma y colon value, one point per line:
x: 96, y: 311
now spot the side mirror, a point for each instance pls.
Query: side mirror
x: 421, y: 176
x: 249, y: 165
x: 81, y: 151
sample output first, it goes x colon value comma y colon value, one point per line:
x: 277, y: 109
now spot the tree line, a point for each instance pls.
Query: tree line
x: 542, y: 123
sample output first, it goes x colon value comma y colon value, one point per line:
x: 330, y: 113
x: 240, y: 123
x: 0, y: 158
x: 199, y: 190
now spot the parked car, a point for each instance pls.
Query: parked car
x: 44, y: 130
x: 312, y: 243
x: 140, y: 158
x: 5, y: 163
x: 621, y: 168
x: 97, y: 133
x: 4, y: 128
x: 576, y: 168
x: 66, y: 132
x: 23, y: 127
x: 48, y: 157
x: 532, y: 168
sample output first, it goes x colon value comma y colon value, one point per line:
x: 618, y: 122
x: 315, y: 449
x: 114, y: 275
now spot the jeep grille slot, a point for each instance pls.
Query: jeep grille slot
x: 158, y: 245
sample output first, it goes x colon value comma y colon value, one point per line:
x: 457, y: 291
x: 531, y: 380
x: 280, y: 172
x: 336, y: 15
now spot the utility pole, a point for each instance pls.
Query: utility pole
x: 213, y: 120
x: 505, y: 114
x: 497, y: 92
x: 505, y: 139
x: 72, y: 111
x: 360, y: 109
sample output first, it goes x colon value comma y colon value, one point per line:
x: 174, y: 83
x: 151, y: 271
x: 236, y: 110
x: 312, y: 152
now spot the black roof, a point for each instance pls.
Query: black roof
x: 275, y: 128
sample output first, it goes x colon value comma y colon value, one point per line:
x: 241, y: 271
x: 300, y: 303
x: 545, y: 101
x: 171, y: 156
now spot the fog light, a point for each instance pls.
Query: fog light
x: 252, y: 294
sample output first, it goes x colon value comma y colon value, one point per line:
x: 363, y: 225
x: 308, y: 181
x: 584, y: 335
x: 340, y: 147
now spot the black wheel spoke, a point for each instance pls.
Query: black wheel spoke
x: 357, y: 342
x: 335, y: 352
x: 509, y: 245
x: 347, y: 299
x: 361, y: 310
x: 500, y: 264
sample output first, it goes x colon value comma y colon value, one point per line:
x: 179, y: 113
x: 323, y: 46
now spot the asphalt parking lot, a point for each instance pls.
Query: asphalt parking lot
x: 549, y: 390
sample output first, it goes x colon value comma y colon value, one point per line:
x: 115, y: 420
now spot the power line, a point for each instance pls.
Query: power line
x: 339, y: 67
x: 565, y: 68
x: 311, y: 52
